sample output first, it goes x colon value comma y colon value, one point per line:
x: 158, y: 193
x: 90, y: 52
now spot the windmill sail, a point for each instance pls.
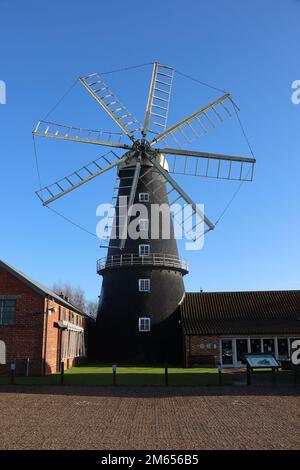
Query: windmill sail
x: 111, y: 104
x: 78, y: 134
x: 133, y: 189
x: 198, y: 123
x: 159, y: 99
x: 179, y: 193
x: 209, y: 165
x: 84, y: 174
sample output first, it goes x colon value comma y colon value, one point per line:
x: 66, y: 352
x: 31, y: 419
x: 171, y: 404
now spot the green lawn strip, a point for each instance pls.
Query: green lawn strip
x: 142, y: 376
x: 127, y: 376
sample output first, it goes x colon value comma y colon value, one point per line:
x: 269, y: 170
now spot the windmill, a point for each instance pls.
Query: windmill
x: 143, y: 278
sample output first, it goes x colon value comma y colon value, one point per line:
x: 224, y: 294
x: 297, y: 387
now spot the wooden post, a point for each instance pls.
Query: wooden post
x: 274, y: 376
x: 114, y: 371
x: 220, y: 377
x: 12, y: 372
x: 295, y: 369
x: 62, y: 372
x: 27, y: 366
x: 248, y: 375
x: 166, y: 376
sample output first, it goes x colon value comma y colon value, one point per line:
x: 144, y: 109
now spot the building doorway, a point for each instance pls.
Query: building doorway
x: 241, y: 350
x: 227, y: 352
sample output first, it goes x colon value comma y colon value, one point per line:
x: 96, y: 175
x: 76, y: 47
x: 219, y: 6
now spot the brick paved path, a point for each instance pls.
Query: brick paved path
x: 149, y: 418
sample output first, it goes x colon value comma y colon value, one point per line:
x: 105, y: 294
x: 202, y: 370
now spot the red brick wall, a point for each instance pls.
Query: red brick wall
x: 205, y: 347
x: 34, y: 334
x: 24, y: 339
x: 52, y: 336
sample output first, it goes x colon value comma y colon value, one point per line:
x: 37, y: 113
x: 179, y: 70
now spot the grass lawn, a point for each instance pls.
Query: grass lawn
x: 127, y: 376
x: 101, y: 375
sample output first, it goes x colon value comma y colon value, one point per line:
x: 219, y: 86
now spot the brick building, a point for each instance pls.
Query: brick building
x: 38, y: 328
x: 220, y: 327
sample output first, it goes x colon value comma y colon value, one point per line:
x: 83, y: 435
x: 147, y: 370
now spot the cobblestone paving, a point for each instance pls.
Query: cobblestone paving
x: 149, y: 418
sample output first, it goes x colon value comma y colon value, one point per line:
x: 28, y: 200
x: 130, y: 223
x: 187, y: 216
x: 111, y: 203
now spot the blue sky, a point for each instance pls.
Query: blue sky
x: 249, y: 48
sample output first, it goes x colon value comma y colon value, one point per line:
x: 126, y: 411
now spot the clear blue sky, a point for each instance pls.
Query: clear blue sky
x: 249, y: 48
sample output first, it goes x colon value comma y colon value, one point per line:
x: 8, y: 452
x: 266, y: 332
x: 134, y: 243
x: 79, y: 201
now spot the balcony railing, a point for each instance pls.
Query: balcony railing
x: 133, y: 259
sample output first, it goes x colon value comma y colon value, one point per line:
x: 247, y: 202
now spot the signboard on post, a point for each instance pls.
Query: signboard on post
x: 260, y: 361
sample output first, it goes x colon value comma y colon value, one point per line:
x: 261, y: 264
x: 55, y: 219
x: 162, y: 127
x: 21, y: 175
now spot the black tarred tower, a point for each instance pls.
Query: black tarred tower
x: 142, y: 278
x: 142, y: 273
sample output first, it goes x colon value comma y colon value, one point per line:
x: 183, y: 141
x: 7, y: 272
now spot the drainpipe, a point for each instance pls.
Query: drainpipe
x: 45, y: 336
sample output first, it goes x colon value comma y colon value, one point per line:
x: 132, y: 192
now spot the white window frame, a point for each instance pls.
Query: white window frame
x: 144, y: 197
x: 143, y: 247
x: 144, y: 324
x: 144, y: 285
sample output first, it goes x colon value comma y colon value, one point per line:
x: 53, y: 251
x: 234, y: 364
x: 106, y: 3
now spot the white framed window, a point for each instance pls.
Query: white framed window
x: 144, y: 285
x: 144, y: 225
x: 144, y: 324
x: 143, y: 197
x: 144, y: 250
x: 7, y: 311
x: 63, y: 314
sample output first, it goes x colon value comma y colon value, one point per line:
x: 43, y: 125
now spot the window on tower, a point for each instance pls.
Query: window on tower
x: 143, y: 197
x: 144, y: 285
x: 144, y: 324
x: 144, y: 250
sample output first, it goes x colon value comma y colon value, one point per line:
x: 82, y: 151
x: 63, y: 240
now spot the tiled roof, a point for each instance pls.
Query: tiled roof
x: 241, y: 312
x: 43, y: 290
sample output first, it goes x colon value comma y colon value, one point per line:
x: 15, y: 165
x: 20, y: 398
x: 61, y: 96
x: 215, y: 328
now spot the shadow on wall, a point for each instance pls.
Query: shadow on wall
x: 22, y: 367
x: 32, y: 368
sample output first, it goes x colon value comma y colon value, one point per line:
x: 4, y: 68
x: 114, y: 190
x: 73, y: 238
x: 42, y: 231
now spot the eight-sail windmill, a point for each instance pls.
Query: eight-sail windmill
x: 142, y: 279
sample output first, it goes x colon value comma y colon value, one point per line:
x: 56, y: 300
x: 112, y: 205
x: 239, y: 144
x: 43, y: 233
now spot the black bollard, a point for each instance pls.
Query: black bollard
x: 12, y: 372
x: 114, y: 371
x: 62, y: 373
x: 220, y: 376
x: 274, y: 377
x: 27, y: 366
x: 166, y: 376
x: 248, y: 375
x: 295, y: 369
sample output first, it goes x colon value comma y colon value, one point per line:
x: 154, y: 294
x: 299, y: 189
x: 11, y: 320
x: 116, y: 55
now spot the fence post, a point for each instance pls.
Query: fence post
x: 295, y: 375
x: 62, y: 372
x: 220, y: 377
x: 114, y: 371
x: 274, y: 376
x: 12, y: 372
x: 166, y: 376
x: 248, y: 375
x: 27, y: 366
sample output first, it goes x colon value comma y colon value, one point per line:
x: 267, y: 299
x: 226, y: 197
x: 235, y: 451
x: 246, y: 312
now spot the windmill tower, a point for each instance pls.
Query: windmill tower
x: 143, y: 274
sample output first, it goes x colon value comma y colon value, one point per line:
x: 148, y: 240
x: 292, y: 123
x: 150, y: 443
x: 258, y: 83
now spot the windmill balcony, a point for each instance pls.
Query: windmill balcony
x: 153, y: 260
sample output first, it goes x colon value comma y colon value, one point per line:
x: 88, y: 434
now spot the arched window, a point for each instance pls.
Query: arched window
x: 2, y: 352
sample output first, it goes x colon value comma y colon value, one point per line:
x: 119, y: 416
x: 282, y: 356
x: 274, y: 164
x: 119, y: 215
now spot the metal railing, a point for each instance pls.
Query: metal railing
x: 133, y: 259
